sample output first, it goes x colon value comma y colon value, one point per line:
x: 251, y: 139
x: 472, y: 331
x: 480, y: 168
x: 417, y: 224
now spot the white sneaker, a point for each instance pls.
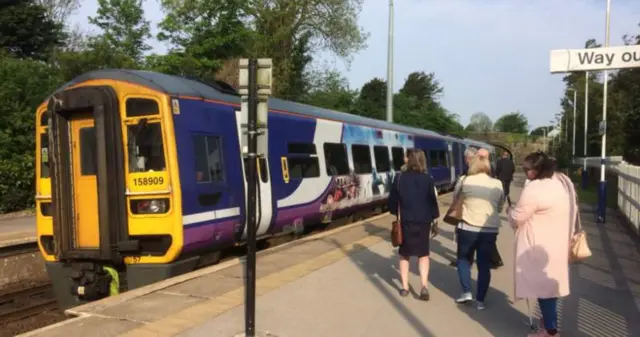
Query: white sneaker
x: 479, y: 305
x: 464, y: 298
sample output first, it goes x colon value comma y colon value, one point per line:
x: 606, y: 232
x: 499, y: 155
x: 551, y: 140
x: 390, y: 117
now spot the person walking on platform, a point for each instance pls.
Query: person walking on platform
x: 413, y: 200
x: 496, y: 259
x: 504, y: 172
x: 544, y: 219
x: 482, y: 202
x: 469, y: 154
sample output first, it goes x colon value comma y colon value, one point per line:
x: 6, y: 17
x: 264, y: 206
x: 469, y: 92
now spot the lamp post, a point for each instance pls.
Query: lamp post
x: 602, y: 191
x: 390, y: 66
x: 566, y: 122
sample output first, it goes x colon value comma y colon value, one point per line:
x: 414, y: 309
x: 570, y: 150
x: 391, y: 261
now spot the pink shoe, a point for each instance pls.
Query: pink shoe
x: 542, y: 333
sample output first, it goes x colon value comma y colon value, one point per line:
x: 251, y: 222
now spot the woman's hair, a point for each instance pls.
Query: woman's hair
x: 416, y: 160
x: 543, y: 165
x: 479, y: 164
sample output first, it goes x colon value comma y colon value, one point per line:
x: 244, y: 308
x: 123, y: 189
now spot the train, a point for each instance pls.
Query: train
x: 141, y: 175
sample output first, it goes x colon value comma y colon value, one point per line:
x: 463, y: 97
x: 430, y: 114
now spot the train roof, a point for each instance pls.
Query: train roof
x: 180, y: 86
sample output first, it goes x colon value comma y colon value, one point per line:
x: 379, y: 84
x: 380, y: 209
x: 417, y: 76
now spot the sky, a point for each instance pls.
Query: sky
x: 490, y: 56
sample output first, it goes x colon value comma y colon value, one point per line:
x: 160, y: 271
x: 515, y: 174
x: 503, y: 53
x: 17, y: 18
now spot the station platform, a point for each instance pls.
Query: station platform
x: 344, y: 283
x: 17, y: 230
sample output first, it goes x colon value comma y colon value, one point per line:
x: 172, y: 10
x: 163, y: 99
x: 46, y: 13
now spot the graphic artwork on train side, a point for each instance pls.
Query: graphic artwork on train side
x: 370, y: 172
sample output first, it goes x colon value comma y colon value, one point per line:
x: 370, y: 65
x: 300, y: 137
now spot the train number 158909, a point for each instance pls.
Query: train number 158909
x: 145, y: 181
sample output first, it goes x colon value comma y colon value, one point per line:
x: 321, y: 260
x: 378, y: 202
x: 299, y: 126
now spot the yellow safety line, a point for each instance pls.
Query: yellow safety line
x: 204, y: 311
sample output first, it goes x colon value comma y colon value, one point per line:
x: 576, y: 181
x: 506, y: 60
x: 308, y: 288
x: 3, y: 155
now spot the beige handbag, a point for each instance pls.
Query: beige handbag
x: 578, y: 246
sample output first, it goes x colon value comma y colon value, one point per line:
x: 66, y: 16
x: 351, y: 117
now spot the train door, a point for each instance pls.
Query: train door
x: 451, y: 161
x: 264, y: 194
x: 85, y: 182
x: 264, y: 198
x: 87, y: 174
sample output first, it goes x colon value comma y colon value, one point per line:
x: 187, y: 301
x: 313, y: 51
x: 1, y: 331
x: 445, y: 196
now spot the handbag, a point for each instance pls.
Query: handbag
x: 578, y: 247
x: 453, y: 216
x: 396, y: 226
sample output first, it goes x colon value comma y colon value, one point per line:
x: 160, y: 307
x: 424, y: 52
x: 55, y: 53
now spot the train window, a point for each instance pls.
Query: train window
x: 442, y: 158
x: 302, y: 148
x: 433, y: 159
x: 398, y: 157
x: 44, y: 155
x: 88, y: 161
x: 336, y: 158
x: 361, y: 158
x: 207, y: 151
x: 145, y: 147
x: 44, y: 118
x: 303, y: 167
x: 137, y: 107
x: 381, y: 154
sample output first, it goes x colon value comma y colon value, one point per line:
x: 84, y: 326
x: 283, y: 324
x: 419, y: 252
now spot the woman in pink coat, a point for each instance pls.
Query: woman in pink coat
x: 543, y: 221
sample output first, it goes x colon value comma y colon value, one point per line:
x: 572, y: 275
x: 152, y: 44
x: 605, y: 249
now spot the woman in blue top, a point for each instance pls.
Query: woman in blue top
x: 413, y: 198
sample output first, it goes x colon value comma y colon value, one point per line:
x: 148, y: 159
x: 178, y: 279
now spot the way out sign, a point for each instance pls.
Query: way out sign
x: 569, y: 60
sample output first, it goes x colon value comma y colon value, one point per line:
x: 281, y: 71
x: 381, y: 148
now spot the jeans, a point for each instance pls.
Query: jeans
x: 483, y: 244
x: 548, y: 308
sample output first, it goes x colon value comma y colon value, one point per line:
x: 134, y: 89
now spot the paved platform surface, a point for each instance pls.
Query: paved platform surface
x: 17, y: 230
x: 345, y: 283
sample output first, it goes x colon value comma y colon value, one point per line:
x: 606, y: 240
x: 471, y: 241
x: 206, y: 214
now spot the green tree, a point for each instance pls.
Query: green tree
x: 97, y: 55
x: 330, y: 90
x: 514, y: 122
x: 204, y: 33
x: 298, y: 82
x: 25, y: 84
x: 330, y: 25
x: 26, y: 31
x: 480, y: 122
x: 424, y: 88
x: 625, y: 102
x: 372, y: 100
x: 59, y: 10
x: 124, y: 27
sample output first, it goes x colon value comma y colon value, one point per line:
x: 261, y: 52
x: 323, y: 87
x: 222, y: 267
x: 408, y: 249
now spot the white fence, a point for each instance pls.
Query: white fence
x: 628, y: 185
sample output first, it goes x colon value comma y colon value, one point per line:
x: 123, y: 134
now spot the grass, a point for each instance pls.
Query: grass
x: 590, y: 195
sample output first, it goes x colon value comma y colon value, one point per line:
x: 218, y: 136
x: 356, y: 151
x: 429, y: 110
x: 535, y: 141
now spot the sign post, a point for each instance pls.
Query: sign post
x: 585, y: 174
x: 606, y: 58
x: 255, y: 88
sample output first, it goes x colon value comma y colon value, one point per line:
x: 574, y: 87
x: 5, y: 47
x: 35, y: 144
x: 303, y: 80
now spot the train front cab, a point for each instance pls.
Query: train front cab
x: 107, y: 190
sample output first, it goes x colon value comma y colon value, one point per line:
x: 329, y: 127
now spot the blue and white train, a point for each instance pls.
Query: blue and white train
x: 142, y: 173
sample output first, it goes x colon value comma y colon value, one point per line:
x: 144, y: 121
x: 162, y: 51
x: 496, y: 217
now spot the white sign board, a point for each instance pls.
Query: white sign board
x: 568, y: 60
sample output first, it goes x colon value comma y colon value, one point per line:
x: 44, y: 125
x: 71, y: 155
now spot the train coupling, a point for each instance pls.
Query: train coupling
x: 91, y: 281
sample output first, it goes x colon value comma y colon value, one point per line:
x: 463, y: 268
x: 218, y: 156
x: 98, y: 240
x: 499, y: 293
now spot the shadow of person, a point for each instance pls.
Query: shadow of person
x: 531, y: 278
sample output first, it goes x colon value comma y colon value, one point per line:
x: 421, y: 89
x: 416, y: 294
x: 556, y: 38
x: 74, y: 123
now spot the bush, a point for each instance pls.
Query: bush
x: 25, y: 84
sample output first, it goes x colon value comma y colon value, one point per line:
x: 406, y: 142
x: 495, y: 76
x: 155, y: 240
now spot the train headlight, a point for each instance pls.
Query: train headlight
x: 149, y: 206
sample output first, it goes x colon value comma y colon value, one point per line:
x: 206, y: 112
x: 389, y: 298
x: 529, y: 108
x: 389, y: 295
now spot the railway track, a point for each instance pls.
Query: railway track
x: 24, y: 303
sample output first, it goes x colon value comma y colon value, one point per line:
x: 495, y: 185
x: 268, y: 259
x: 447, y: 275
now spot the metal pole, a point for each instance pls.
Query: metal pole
x: 546, y: 145
x: 250, y: 307
x: 602, y: 195
x: 575, y: 101
x: 390, y: 66
x: 585, y: 175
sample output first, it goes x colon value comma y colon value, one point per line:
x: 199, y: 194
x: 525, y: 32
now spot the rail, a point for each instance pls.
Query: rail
x: 18, y: 248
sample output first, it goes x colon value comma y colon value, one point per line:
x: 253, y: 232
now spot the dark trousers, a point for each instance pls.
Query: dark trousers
x: 483, y: 244
x: 506, y: 188
x: 496, y: 259
x: 549, y: 309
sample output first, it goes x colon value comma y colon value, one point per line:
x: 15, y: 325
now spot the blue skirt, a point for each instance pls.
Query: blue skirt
x: 415, y: 239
